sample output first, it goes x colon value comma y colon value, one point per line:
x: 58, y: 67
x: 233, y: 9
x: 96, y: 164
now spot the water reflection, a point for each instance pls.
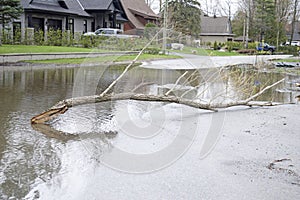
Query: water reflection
x: 30, y: 159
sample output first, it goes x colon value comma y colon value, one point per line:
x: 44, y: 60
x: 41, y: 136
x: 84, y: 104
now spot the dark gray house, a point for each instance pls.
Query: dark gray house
x: 80, y: 16
x: 215, y: 29
x: 296, y: 36
x: 74, y: 15
x: 55, y: 14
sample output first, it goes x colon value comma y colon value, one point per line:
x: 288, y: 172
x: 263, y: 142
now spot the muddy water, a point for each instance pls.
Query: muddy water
x: 39, y: 162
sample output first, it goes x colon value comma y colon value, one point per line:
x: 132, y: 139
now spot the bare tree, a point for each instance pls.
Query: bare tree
x: 282, y: 12
x: 294, y: 18
x: 220, y: 99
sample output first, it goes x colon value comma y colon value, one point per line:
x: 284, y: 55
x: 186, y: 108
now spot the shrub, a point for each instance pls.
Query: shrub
x: 289, y: 50
x: 6, y: 36
x: 39, y: 38
x: 65, y: 38
x: 152, y: 50
x: 215, y: 45
x: 86, y: 41
x: 247, y: 51
x: 54, y: 37
x: 17, y: 36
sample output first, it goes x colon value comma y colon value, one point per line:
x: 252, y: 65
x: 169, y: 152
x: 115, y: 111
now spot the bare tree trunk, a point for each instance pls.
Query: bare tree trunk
x: 294, y: 20
x: 62, y: 106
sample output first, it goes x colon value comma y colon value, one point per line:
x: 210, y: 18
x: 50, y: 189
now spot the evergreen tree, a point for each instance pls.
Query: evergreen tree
x: 185, y: 16
x: 9, y: 10
x: 265, y: 21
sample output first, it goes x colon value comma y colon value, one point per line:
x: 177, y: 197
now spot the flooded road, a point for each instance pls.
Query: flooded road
x: 39, y: 163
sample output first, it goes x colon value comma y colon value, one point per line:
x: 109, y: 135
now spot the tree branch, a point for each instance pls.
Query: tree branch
x: 62, y: 106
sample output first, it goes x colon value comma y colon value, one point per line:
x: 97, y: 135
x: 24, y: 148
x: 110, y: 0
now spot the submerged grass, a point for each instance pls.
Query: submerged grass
x: 103, y: 59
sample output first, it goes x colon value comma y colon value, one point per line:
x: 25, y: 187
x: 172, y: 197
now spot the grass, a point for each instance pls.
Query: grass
x: 288, y: 60
x: 205, y: 52
x: 6, y: 49
x: 102, y: 59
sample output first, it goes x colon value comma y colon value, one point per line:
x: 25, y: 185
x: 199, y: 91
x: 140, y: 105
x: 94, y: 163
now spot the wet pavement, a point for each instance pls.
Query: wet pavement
x: 191, y: 61
x: 173, y: 151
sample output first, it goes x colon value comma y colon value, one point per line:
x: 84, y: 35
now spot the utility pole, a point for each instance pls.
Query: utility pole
x: 165, y: 27
x: 160, y: 5
x: 294, y: 20
x: 247, y: 24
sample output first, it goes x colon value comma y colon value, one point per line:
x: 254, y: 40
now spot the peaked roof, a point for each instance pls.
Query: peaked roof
x: 73, y: 7
x: 134, y: 8
x: 96, y: 4
x: 215, y: 26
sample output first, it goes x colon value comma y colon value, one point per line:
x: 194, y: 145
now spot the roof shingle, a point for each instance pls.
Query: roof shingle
x: 139, y: 7
x: 73, y: 6
x: 96, y: 4
x: 215, y: 26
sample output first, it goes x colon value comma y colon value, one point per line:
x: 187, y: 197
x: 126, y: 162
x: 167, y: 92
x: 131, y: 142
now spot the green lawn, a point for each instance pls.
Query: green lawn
x: 5, y: 49
x: 288, y: 60
x: 205, y: 52
x: 102, y: 59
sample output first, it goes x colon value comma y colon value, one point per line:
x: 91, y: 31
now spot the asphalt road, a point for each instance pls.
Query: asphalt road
x: 190, y: 61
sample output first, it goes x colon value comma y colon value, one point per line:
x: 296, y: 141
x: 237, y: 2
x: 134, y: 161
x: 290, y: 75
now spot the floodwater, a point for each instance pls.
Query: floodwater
x: 46, y: 162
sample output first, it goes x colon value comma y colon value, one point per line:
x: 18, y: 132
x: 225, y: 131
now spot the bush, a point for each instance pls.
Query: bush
x: 54, y: 37
x: 289, y: 50
x: 17, y: 36
x: 152, y: 50
x: 234, y: 45
x: 65, y: 38
x: 252, y: 45
x: 6, y: 36
x: 39, y: 38
x: 86, y: 41
x: 215, y: 45
x: 247, y: 51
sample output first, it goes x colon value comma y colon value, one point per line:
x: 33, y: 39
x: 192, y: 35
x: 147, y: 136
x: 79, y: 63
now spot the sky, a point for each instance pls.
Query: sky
x: 211, y: 4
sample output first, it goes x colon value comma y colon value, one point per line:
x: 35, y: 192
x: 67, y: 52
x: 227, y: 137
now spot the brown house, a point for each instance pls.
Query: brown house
x: 138, y: 14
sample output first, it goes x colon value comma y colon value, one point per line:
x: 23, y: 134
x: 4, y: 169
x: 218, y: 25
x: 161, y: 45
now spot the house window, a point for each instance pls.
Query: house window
x: 118, y: 26
x: 85, y: 26
x: 71, y: 25
x: 54, y: 24
x: 36, y: 23
x: 93, y: 26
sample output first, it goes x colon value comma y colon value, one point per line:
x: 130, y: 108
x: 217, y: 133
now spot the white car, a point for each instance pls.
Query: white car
x: 295, y: 43
x: 110, y: 32
x: 105, y: 31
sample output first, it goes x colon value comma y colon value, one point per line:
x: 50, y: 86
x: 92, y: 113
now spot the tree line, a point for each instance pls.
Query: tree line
x: 268, y: 20
x: 259, y: 20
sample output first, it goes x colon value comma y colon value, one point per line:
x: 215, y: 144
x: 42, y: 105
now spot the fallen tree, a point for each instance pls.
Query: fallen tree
x: 196, y: 102
x: 62, y: 106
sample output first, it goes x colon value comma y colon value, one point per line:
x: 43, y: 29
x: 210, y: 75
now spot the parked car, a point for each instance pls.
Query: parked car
x: 266, y: 47
x: 295, y: 43
x: 110, y: 32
